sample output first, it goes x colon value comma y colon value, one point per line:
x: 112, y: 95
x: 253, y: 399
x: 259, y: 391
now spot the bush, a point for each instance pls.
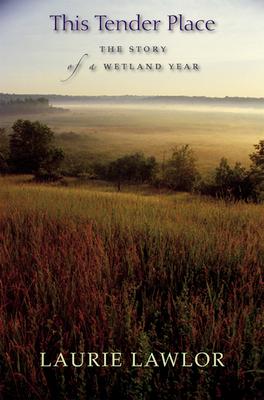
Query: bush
x: 134, y: 168
x: 31, y: 148
x: 257, y: 168
x: 3, y: 151
x: 229, y: 183
x: 180, y: 171
x: 44, y: 176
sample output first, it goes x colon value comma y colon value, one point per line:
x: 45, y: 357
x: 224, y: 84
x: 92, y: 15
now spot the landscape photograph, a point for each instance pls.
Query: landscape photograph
x: 125, y: 228
x: 131, y: 202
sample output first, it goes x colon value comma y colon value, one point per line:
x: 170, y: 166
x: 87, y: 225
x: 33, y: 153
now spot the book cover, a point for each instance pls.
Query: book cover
x: 131, y: 200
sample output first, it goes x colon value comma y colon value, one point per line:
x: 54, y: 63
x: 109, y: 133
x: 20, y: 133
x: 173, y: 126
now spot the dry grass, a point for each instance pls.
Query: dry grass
x: 86, y: 268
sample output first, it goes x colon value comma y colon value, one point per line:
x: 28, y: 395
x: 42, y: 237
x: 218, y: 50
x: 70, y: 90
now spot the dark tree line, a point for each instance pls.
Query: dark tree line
x: 26, y: 105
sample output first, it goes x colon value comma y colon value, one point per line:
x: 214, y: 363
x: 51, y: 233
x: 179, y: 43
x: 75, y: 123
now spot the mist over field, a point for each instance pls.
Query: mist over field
x: 89, y: 263
x: 103, y: 128
x: 131, y: 218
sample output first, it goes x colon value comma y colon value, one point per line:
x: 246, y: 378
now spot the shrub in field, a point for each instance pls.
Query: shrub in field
x: 3, y: 151
x: 257, y: 167
x: 257, y: 157
x: 3, y: 164
x: 31, y: 148
x: 229, y: 183
x: 44, y: 176
x: 134, y: 168
x: 238, y: 183
x: 180, y: 171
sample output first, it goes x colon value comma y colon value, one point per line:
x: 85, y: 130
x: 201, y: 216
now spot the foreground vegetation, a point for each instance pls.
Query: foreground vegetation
x: 88, y: 269
x: 85, y: 268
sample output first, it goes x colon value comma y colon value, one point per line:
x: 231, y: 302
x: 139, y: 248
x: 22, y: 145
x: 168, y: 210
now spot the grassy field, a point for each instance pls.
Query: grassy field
x: 105, y: 132
x: 89, y: 269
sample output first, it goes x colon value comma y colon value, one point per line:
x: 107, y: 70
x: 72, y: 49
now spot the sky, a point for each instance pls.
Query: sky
x: 35, y: 58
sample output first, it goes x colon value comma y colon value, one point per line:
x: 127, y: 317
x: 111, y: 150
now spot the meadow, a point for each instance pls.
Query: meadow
x: 89, y: 269
x: 85, y: 268
x: 91, y: 133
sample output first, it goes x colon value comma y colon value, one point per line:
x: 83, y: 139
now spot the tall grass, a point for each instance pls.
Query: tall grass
x: 89, y: 270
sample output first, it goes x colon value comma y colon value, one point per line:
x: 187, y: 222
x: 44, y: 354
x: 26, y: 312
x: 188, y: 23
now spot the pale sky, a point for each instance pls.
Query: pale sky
x: 34, y: 58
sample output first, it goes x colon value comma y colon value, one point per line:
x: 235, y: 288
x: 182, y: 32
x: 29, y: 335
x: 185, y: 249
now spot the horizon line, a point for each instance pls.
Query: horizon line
x: 134, y: 95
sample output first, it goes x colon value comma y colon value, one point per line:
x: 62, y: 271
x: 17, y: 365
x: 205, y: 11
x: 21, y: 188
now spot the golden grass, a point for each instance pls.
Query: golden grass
x: 88, y: 268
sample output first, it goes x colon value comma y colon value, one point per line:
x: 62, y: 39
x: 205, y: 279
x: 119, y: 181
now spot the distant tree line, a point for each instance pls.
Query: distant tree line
x: 30, y: 149
x: 27, y: 105
x: 27, y: 100
x: 24, y: 105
